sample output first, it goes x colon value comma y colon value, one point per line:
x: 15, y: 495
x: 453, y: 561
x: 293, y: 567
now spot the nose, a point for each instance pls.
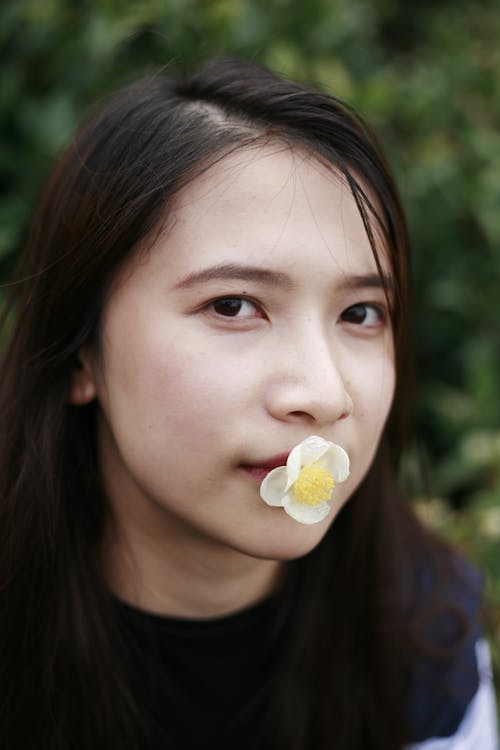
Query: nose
x: 310, y: 383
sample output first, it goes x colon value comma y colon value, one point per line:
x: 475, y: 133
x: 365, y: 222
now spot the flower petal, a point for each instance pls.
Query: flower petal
x: 306, y: 514
x: 274, y: 486
x: 311, y: 449
x: 293, y: 465
x: 336, y: 461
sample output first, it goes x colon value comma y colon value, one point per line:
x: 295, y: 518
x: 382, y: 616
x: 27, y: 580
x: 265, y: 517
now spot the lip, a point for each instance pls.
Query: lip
x: 260, y: 469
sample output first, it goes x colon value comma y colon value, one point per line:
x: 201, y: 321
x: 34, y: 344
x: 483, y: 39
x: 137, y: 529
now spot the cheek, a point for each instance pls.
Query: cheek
x: 172, y: 385
x: 373, y: 392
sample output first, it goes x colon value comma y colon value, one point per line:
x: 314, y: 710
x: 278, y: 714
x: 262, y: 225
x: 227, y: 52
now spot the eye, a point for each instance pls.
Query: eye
x: 234, y: 307
x: 364, y: 314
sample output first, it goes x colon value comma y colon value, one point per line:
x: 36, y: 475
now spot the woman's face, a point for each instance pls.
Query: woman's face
x: 256, y: 320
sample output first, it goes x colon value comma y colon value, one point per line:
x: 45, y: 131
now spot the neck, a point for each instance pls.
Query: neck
x: 179, y: 579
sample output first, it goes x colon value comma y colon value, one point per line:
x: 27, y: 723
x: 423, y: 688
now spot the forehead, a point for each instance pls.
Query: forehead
x: 282, y: 187
x: 270, y: 205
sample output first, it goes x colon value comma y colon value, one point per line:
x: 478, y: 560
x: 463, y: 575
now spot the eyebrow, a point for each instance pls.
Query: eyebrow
x: 238, y: 273
x: 370, y: 281
x: 232, y: 271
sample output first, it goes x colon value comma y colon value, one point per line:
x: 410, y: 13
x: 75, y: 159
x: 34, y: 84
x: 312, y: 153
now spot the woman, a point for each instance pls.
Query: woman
x: 218, y: 271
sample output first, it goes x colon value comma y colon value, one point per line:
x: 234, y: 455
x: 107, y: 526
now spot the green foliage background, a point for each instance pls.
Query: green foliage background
x: 427, y: 76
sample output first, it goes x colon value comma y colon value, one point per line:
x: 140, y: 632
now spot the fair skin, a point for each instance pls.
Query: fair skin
x: 255, y: 320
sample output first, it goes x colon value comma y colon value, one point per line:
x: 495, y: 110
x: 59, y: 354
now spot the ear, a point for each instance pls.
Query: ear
x: 83, y: 384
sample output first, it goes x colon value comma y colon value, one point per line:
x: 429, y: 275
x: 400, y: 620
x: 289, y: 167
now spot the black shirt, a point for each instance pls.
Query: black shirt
x: 193, y: 678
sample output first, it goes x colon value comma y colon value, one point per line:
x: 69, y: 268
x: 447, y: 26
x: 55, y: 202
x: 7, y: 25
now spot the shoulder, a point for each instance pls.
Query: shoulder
x: 451, y: 702
x: 477, y: 722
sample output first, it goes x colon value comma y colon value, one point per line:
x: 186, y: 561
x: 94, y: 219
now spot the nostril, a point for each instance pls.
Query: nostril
x: 302, y: 415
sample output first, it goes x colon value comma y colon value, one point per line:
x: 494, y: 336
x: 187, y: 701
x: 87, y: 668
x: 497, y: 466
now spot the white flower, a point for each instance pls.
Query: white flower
x: 304, y: 486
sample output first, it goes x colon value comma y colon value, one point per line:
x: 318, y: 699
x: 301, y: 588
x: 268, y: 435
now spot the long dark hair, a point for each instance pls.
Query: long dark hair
x: 338, y: 676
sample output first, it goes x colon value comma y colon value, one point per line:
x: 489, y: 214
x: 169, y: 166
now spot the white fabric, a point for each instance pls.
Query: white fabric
x: 478, y: 729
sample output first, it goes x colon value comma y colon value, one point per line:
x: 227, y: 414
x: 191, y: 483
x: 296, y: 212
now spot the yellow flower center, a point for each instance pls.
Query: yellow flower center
x: 313, y: 486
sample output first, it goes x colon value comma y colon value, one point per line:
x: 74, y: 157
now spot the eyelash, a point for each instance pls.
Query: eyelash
x: 360, y: 307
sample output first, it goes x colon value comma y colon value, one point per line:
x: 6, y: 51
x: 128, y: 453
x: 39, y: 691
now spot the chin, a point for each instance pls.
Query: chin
x: 288, y: 540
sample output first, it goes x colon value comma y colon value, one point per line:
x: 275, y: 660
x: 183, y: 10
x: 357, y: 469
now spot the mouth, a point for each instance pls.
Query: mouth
x: 260, y: 469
